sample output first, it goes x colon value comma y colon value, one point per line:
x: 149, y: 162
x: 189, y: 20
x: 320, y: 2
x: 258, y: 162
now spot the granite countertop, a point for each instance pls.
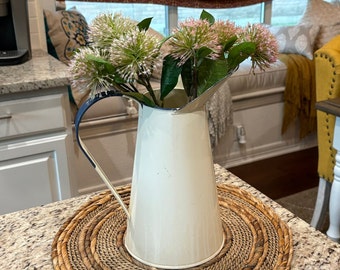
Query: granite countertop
x: 40, y: 72
x: 26, y: 236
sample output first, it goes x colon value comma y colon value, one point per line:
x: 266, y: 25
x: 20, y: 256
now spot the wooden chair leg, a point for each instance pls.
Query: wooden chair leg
x: 322, y: 204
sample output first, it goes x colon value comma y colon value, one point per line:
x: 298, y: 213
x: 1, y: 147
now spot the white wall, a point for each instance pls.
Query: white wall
x: 36, y: 22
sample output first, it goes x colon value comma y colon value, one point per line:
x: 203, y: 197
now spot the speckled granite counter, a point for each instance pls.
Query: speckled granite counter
x: 26, y: 236
x: 42, y: 71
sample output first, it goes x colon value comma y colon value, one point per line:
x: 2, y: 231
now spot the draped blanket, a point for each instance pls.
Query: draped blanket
x: 300, y: 93
x: 220, y: 113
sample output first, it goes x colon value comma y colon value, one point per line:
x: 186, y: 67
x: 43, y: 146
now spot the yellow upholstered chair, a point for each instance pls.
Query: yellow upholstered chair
x: 327, y: 67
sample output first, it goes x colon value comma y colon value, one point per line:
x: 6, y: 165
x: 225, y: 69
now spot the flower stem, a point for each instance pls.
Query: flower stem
x: 148, y: 87
x: 194, y: 79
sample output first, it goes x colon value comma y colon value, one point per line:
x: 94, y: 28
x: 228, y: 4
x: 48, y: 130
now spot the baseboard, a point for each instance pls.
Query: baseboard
x: 260, y: 153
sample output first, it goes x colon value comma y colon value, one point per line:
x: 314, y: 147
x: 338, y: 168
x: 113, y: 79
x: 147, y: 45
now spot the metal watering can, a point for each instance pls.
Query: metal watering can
x: 173, y: 219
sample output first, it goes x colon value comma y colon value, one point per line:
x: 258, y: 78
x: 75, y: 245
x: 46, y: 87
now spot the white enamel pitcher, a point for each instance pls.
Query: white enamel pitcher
x: 173, y: 219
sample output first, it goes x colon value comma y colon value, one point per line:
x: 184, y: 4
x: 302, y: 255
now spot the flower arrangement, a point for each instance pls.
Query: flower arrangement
x: 123, y: 55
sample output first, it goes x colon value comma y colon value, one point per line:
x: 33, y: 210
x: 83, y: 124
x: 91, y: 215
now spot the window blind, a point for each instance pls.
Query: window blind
x: 187, y: 3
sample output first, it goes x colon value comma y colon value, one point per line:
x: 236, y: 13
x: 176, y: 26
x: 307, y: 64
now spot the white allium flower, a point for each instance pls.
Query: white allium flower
x: 107, y: 27
x: 88, y: 74
x: 135, y: 54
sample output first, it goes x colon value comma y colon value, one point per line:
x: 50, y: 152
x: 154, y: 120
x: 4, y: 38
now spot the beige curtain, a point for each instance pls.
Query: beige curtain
x: 187, y: 3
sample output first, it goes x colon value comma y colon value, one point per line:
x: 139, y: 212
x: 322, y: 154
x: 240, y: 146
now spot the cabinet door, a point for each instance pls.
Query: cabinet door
x: 33, y: 173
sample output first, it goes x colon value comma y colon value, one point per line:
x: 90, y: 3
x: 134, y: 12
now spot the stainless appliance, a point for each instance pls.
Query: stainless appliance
x: 15, y: 47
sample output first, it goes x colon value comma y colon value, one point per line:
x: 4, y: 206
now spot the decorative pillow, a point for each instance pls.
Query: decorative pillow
x: 327, y: 32
x: 66, y: 30
x: 324, y: 14
x: 295, y: 39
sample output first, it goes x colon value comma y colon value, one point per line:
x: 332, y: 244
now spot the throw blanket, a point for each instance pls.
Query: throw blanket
x: 300, y: 93
x: 220, y: 113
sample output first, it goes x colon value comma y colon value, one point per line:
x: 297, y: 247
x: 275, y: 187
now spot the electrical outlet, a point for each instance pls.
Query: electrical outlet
x: 241, y: 134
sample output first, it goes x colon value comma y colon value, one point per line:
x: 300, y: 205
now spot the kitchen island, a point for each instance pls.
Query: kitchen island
x: 36, y: 146
x: 40, y: 73
x: 26, y: 236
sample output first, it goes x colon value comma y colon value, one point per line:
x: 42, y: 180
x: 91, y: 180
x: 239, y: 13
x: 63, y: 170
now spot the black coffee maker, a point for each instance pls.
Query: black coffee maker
x: 15, y: 47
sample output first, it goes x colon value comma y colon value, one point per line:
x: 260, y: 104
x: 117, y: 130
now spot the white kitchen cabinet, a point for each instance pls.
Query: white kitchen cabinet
x: 35, y: 150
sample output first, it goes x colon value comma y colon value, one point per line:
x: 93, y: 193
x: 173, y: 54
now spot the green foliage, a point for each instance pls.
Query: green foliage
x: 210, y: 72
x: 170, y: 73
x: 142, y: 99
x: 207, y: 16
x: 239, y: 53
x: 229, y: 43
x: 144, y: 24
x: 105, y: 67
x: 201, y: 54
x: 187, y: 77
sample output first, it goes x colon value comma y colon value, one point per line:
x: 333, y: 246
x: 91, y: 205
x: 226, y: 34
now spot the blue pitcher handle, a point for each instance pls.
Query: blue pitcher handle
x: 82, y: 110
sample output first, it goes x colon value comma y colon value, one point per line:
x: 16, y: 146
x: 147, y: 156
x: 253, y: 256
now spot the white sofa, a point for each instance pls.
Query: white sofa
x: 258, y: 105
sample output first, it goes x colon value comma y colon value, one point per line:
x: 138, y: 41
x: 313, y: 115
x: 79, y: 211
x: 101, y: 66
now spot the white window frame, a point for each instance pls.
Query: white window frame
x: 172, y: 16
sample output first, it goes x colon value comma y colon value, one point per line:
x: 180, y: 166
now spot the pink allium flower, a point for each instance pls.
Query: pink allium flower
x: 225, y: 30
x: 266, y: 45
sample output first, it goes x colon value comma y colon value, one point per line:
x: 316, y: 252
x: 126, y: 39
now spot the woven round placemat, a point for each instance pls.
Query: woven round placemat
x: 255, y: 235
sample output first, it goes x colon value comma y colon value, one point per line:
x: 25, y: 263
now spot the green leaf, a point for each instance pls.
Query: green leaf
x: 230, y: 42
x: 170, y: 73
x: 144, y: 24
x: 140, y: 98
x: 99, y: 61
x: 91, y: 57
x: 186, y: 75
x: 205, y: 15
x: 210, y: 72
x: 239, y: 53
x: 202, y: 53
x: 103, y: 66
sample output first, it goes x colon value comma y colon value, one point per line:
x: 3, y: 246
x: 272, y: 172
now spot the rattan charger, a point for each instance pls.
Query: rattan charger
x: 256, y: 238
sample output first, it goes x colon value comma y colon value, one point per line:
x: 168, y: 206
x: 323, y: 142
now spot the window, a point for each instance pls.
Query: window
x: 276, y: 12
x: 288, y: 12
x: 133, y: 11
x: 241, y: 15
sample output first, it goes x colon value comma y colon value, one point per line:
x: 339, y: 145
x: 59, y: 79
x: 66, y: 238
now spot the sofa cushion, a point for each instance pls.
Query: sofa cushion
x: 106, y: 108
x: 243, y: 81
x: 298, y: 39
x: 324, y: 14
